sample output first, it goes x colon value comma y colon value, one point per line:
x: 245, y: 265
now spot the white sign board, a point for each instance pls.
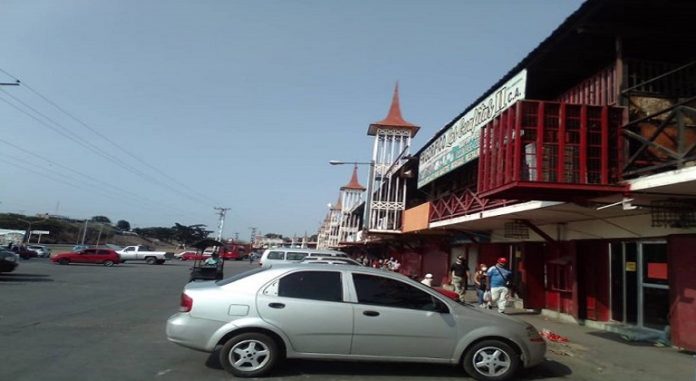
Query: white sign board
x: 460, y: 143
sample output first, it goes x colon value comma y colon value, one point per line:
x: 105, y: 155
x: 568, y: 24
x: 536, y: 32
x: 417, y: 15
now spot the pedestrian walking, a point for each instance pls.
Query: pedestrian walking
x: 481, y: 282
x: 499, y: 279
x: 460, y: 275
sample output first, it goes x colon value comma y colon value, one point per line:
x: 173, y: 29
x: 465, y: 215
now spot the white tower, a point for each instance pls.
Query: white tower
x: 392, y: 143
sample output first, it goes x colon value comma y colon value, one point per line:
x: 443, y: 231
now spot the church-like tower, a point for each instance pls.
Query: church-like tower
x: 392, y: 142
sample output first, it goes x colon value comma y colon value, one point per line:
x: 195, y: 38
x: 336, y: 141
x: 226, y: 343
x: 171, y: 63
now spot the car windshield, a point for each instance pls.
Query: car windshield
x: 239, y: 276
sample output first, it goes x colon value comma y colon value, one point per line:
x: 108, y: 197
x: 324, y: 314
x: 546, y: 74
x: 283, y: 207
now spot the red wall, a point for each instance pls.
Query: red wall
x: 681, y: 259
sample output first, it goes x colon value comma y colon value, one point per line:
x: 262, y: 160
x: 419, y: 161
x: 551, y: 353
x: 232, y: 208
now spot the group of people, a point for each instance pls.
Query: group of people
x: 493, y: 285
x: 391, y: 264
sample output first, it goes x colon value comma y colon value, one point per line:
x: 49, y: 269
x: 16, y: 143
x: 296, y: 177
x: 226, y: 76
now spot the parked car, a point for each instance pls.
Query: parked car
x: 106, y: 257
x: 181, y: 254
x: 331, y: 260
x: 8, y: 260
x: 192, y: 256
x: 356, y: 313
x: 41, y: 250
x: 24, y: 252
x: 143, y: 253
x: 284, y: 255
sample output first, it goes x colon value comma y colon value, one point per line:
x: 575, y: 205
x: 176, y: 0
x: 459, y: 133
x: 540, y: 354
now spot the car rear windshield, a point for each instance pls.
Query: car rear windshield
x: 239, y: 276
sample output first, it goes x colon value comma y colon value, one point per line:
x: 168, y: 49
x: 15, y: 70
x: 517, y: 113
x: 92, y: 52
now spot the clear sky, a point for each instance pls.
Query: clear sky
x: 181, y: 106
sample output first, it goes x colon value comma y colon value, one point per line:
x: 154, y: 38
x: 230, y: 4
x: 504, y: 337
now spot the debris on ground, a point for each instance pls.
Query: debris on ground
x: 552, y: 336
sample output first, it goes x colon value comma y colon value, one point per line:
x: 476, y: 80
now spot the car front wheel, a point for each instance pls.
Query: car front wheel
x: 491, y: 360
x: 63, y: 261
x: 249, y: 355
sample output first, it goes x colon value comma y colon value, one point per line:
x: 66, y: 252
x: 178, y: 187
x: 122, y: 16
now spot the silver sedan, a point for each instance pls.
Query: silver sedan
x: 336, y: 312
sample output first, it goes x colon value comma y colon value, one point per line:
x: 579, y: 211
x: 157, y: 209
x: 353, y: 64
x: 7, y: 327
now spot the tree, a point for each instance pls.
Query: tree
x: 273, y: 235
x: 123, y: 225
x: 101, y: 219
x: 189, y: 235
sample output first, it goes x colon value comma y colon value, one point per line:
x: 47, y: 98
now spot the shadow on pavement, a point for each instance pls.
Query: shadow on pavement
x: 620, y: 339
x: 547, y: 369
x: 19, y: 277
x: 293, y: 367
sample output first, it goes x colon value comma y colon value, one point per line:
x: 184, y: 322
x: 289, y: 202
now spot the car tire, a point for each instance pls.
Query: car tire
x: 63, y: 261
x: 261, y: 353
x: 150, y: 260
x: 491, y: 360
x: 108, y: 263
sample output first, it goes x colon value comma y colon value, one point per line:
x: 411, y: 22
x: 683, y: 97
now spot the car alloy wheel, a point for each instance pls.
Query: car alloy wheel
x: 491, y: 360
x: 150, y: 260
x: 108, y: 263
x: 249, y: 355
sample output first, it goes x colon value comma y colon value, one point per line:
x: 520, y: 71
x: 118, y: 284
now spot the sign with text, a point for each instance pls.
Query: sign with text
x: 460, y: 143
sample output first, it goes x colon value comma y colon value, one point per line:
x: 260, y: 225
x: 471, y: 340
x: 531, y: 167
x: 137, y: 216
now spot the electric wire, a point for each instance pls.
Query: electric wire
x: 106, y: 138
x: 109, y: 186
x: 79, y: 186
x: 92, y: 148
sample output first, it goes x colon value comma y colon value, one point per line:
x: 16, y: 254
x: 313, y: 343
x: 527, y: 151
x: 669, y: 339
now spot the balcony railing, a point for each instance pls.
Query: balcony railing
x: 551, y: 151
x: 462, y: 203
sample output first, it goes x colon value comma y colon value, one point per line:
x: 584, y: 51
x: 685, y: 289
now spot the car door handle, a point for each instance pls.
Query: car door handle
x: 370, y: 313
x: 276, y: 305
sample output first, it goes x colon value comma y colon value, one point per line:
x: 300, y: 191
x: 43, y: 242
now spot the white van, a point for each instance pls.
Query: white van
x: 286, y: 254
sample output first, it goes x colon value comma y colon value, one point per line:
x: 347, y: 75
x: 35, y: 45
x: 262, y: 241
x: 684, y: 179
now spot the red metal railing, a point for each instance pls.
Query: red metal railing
x: 552, y: 146
x: 462, y: 203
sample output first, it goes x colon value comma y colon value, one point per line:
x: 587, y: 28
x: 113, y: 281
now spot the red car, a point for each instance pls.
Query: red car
x: 192, y: 256
x: 106, y: 257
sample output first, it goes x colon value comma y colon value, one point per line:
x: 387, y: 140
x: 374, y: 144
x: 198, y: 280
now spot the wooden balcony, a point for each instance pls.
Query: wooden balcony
x: 537, y: 150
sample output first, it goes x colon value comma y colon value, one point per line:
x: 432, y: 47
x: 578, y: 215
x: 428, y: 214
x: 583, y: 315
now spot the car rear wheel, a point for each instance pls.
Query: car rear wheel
x: 108, y: 263
x: 249, y: 355
x: 491, y: 360
x: 150, y: 260
x: 63, y: 261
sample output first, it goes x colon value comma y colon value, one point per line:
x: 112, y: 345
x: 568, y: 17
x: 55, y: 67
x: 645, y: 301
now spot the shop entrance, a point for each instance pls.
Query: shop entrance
x: 640, y: 284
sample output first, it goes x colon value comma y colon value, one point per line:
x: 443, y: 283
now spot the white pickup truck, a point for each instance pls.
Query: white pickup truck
x: 143, y: 253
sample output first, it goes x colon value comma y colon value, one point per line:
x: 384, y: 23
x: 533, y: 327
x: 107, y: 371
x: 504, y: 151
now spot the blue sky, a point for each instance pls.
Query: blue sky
x: 239, y: 104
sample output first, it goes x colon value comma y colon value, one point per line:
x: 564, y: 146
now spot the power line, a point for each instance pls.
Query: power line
x: 110, y: 141
x: 90, y: 146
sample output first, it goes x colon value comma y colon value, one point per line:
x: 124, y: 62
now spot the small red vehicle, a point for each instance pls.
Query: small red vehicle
x: 106, y: 257
x: 193, y: 256
x: 234, y: 251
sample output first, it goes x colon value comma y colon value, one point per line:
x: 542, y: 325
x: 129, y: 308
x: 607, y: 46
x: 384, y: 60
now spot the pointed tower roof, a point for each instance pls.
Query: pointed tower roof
x: 354, y: 184
x: 394, y: 118
x: 338, y: 205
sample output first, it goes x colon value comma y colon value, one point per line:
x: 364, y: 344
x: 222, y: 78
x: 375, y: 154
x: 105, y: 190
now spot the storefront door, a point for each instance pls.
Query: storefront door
x: 640, y: 285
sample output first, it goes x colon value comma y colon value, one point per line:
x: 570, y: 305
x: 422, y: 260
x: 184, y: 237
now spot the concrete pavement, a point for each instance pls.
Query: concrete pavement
x: 594, y: 354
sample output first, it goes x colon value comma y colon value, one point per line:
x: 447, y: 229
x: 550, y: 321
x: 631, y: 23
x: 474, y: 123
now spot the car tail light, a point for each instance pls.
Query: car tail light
x: 186, y: 303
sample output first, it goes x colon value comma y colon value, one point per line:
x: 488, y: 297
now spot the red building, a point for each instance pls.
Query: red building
x: 577, y: 165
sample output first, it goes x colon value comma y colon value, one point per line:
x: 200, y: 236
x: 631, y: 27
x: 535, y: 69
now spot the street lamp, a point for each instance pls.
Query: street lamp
x: 368, y: 198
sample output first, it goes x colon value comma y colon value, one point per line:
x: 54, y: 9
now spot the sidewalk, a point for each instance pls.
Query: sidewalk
x: 593, y: 354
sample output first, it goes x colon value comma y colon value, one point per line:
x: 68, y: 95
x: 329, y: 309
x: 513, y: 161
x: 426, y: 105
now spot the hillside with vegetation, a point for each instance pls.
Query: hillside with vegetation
x: 100, y: 230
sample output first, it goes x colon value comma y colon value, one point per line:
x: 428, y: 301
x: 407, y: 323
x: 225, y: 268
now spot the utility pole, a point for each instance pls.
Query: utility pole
x: 253, y: 235
x: 221, y: 224
x: 236, y: 237
x: 84, y: 233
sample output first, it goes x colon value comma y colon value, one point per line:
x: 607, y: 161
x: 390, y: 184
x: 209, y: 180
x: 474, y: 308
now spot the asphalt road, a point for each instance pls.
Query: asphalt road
x: 90, y: 322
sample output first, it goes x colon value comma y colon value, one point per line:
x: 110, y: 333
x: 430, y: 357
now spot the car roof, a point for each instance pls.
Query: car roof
x: 312, y: 251
x: 332, y: 266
